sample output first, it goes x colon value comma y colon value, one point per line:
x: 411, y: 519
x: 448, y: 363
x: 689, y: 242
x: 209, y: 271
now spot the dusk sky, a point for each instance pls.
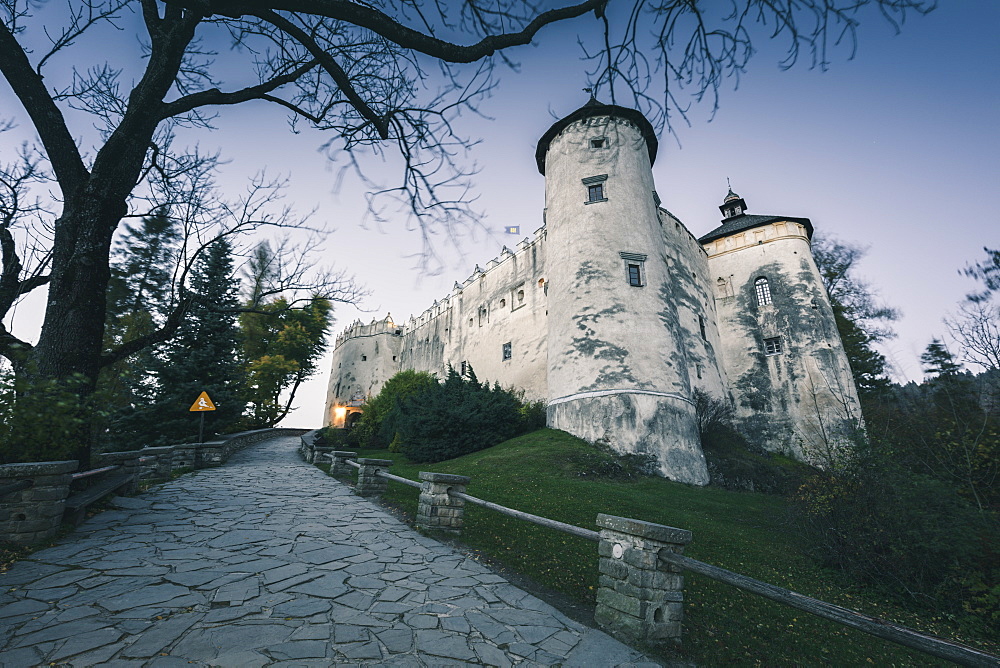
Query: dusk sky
x: 896, y: 150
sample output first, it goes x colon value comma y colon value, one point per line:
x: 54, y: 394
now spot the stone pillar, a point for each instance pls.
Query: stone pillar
x: 129, y: 462
x: 340, y: 465
x: 318, y: 452
x: 638, y: 598
x: 34, y: 514
x: 436, y: 509
x: 370, y: 484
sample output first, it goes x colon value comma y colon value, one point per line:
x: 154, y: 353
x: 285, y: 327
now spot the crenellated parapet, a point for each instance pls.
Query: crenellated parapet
x: 498, y: 264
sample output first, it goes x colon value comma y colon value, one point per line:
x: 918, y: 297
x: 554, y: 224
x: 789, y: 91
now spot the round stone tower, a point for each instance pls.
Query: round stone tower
x: 617, y: 370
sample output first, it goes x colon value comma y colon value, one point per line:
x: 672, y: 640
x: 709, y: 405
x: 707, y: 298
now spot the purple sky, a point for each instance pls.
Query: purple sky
x: 896, y: 150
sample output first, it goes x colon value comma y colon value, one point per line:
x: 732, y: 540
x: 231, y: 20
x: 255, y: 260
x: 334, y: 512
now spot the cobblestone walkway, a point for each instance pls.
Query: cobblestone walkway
x: 266, y: 561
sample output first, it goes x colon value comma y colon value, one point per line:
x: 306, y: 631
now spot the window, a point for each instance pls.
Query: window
x: 364, y: 358
x: 506, y: 351
x: 772, y: 346
x: 634, y: 272
x: 701, y: 326
x: 465, y: 367
x: 763, y: 291
x: 597, y: 143
x: 634, y: 275
x: 503, y: 303
x: 520, y: 296
x: 595, y: 188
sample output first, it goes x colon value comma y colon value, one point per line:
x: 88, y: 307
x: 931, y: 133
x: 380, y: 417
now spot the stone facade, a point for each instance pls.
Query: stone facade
x: 616, y: 315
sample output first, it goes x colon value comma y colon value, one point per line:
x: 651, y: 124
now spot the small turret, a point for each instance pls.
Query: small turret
x: 732, y: 206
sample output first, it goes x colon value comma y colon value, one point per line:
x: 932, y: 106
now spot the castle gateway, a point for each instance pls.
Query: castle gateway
x: 615, y: 315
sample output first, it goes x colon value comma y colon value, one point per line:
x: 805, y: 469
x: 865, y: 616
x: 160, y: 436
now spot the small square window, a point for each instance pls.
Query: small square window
x: 506, y: 351
x: 595, y: 193
x: 364, y: 358
x: 701, y: 326
x: 772, y: 346
x: 597, y: 143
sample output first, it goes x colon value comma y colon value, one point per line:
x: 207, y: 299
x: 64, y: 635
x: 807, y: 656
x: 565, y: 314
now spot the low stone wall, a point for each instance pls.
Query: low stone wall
x: 34, y: 514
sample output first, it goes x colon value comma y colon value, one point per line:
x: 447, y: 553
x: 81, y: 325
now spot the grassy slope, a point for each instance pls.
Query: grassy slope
x: 745, y: 532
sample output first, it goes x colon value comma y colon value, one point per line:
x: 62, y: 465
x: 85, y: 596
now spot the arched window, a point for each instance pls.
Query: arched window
x: 763, y: 291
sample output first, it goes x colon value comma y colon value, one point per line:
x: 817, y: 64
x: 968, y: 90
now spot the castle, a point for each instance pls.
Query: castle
x: 616, y: 316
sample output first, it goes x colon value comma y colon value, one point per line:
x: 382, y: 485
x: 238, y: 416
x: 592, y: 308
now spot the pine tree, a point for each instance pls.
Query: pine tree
x: 203, y: 357
x: 139, y: 297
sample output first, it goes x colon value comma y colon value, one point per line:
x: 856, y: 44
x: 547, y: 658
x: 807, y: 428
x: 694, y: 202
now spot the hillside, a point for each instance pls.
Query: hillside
x: 552, y: 474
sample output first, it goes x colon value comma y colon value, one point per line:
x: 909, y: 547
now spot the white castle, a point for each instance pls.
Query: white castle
x: 615, y: 315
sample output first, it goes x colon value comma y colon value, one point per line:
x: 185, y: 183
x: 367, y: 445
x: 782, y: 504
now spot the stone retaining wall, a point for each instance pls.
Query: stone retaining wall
x: 34, y: 514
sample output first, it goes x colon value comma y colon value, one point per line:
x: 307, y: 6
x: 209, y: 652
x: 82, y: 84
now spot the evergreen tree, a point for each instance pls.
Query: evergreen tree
x: 861, y: 320
x: 139, y: 297
x: 203, y: 357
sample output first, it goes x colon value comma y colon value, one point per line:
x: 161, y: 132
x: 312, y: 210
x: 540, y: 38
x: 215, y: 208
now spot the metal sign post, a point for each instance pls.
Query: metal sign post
x: 201, y: 405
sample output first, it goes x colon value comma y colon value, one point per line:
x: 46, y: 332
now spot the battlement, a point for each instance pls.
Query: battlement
x: 357, y: 329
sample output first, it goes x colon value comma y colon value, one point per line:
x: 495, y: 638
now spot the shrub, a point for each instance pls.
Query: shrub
x: 455, y: 418
x: 377, y: 426
x: 891, y: 527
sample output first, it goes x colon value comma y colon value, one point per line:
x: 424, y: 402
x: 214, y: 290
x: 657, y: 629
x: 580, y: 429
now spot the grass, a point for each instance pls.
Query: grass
x: 552, y: 474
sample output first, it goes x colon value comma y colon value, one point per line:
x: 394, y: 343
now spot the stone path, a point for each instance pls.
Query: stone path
x: 266, y: 561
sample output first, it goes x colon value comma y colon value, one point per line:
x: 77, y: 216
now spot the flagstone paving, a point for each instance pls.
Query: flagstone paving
x: 268, y: 562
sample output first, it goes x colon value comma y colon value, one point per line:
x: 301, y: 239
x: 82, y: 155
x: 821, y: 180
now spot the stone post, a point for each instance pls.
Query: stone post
x: 436, y: 509
x: 340, y: 465
x: 34, y: 514
x: 370, y: 484
x: 638, y: 598
x: 318, y: 452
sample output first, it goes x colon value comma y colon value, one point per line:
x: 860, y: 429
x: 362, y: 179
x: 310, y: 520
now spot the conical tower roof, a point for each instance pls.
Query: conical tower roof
x: 592, y: 109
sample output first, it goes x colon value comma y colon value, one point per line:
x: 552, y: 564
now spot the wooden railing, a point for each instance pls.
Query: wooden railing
x: 668, y: 554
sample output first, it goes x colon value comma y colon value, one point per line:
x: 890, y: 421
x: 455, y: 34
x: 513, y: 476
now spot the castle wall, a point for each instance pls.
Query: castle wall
x: 616, y: 316
x: 503, y: 303
x: 800, y: 401
x: 687, y: 264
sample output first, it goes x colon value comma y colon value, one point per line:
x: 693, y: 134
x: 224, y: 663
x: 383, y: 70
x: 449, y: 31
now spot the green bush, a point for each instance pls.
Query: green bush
x: 455, y: 418
x: 377, y: 426
x: 890, y: 527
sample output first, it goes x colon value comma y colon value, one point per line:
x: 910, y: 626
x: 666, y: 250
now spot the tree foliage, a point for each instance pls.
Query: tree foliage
x: 203, y: 357
x: 861, y: 320
x: 280, y: 348
x: 379, y: 414
x: 976, y: 326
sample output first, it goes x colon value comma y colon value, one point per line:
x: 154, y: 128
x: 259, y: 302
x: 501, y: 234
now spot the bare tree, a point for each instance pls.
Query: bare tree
x: 379, y: 77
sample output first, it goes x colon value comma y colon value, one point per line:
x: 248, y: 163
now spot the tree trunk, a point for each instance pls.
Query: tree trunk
x: 72, y: 335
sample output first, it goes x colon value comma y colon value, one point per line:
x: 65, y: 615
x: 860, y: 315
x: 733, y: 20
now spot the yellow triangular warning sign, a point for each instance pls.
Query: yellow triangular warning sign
x: 202, y: 403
